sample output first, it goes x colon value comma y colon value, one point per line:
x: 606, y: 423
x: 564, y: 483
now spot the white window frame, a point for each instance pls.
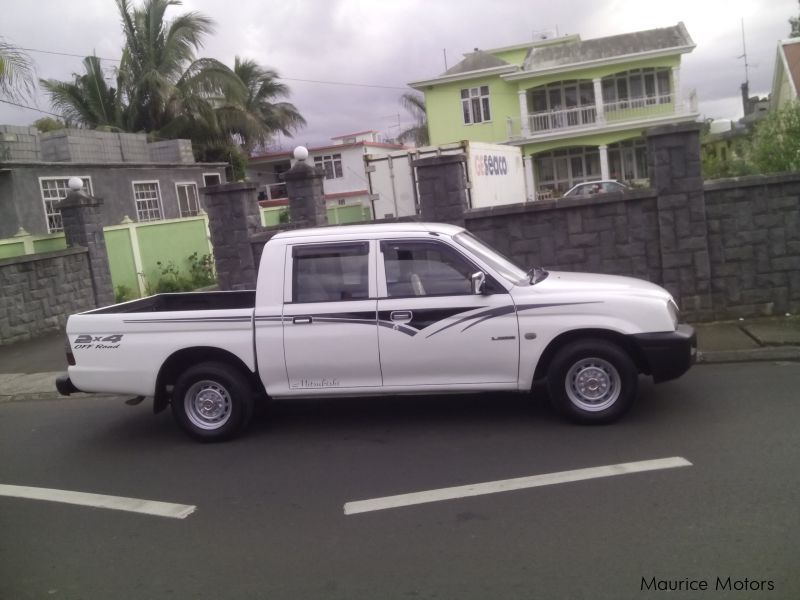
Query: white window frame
x: 136, y: 202
x: 55, y: 212
x: 217, y: 175
x: 484, y: 103
x: 179, y: 184
x: 330, y: 159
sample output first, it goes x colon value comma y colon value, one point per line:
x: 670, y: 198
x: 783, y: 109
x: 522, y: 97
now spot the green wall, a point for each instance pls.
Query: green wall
x: 10, y: 249
x: 120, y: 258
x: 171, y: 241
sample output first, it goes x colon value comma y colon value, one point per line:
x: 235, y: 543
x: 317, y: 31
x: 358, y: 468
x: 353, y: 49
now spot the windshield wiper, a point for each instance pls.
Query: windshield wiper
x: 536, y: 274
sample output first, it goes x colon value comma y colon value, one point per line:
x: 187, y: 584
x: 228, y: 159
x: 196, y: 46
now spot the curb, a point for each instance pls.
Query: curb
x: 788, y: 353
x: 7, y: 399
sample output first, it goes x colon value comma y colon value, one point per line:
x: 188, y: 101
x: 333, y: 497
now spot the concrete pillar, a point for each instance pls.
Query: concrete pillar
x: 305, y: 191
x: 525, y: 124
x: 83, y: 226
x: 233, y: 216
x: 605, y: 173
x: 599, y: 105
x: 442, y: 188
x: 530, y: 178
x: 676, y: 88
x: 674, y: 165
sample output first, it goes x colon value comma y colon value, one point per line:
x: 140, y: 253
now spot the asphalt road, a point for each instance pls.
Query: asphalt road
x: 270, y: 522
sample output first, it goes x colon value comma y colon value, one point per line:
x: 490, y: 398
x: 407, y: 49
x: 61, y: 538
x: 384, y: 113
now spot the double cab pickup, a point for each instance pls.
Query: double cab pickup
x: 389, y: 309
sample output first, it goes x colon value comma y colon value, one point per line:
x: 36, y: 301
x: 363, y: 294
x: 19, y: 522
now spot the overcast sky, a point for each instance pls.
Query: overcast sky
x: 391, y: 42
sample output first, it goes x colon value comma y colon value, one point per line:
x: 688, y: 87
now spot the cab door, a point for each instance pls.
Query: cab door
x: 432, y: 329
x: 329, y: 318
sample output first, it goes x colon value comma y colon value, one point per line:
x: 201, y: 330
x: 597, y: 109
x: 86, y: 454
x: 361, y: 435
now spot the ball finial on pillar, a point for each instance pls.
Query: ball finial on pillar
x: 301, y: 153
x: 75, y: 184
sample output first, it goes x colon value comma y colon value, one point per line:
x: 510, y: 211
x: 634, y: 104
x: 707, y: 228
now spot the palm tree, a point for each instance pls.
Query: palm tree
x: 88, y: 100
x: 261, y: 116
x: 17, y: 79
x: 418, y: 134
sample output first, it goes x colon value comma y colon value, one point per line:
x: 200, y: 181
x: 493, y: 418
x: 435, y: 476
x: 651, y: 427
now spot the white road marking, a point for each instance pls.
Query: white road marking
x: 506, y: 485
x: 147, y: 507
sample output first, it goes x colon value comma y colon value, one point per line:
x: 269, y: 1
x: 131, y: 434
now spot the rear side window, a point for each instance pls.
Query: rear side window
x: 330, y: 272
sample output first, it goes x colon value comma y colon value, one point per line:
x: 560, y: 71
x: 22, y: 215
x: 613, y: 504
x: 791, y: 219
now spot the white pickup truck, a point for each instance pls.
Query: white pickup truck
x: 406, y: 308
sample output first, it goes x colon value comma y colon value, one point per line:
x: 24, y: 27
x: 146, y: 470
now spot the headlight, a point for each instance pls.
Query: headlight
x: 674, y: 313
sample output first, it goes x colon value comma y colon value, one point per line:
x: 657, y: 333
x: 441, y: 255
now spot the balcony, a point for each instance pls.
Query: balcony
x: 552, y: 123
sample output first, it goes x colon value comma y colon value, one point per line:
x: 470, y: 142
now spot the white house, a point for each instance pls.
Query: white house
x: 346, y: 181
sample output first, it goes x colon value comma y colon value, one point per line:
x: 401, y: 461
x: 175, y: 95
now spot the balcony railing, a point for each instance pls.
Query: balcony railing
x: 586, y: 116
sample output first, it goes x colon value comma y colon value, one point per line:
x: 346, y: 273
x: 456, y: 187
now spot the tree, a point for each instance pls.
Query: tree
x: 88, y: 99
x: 260, y: 116
x: 17, y: 80
x: 776, y: 143
x: 418, y: 134
x: 46, y: 124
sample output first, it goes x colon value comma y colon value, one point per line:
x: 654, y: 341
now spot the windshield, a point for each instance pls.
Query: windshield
x: 493, y: 258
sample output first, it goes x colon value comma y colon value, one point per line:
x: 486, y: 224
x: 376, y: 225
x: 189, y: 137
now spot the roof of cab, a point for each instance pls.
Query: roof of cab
x: 371, y: 229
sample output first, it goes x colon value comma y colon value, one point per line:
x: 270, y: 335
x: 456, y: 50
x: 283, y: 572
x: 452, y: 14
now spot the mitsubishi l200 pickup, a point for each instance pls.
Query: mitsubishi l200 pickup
x: 387, y: 309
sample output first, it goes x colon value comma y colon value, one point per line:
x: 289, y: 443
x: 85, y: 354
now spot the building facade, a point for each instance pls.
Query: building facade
x: 137, y: 180
x: 346, y: 182
x: 577, y: 108
x: 786, y: 78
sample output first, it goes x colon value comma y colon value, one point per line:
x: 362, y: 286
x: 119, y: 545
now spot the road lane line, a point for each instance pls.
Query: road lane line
x: 146, y: 507
x: 506, y: 485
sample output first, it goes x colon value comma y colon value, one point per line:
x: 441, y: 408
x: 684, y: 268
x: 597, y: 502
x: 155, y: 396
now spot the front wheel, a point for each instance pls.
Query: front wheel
x: 212, y: 401
x: 592, y: 381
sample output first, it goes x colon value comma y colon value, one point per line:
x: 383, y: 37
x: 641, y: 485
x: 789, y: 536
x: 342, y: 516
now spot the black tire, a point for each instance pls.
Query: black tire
x: 592, y: 381
x: 213, y: 401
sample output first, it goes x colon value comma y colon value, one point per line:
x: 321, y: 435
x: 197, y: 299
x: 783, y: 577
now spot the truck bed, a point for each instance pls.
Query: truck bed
x: 183, y: 301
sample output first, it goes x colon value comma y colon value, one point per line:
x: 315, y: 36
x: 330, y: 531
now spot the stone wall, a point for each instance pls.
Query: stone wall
x: 41, y: 290
x: 754, y: 242
x: 616, y: 233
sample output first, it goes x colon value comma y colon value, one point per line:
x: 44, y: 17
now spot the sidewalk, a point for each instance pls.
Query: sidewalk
x: 28, y: 369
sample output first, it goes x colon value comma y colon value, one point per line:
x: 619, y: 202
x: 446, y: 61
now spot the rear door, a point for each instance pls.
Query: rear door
x: 329, y: 317
x: 432, y: 329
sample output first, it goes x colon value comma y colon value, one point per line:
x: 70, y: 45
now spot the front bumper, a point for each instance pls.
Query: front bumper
x: 668, y: 354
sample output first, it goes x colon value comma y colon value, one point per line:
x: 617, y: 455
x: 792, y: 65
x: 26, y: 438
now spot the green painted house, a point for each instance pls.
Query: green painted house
x: 577, y: 108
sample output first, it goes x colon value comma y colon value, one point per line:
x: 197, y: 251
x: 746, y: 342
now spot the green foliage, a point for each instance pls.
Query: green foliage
x: 283, y: 216
x: 418, y: 134
x: 46, y: 124
x: 172, y: 279
x: 123, y: 293
x: 776, y: 143
x: 714, y: 167
x: 17, y: 81
x: 794, y: 22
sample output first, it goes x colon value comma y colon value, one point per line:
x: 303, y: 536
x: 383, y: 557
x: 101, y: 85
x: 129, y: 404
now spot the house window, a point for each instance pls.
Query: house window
x: 211, y: 179
x: 652, y: 85
x: 475, y: 104
x: 147, y: 195
x: 558, y: 171
x: 332, y: 163
x: 54, y: 190
x: 627, y: 161
x: 188, y: 204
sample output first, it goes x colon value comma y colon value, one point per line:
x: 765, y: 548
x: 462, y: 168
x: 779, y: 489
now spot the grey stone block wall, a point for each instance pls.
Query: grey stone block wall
x: 306, y: 195
x: 617, y: 234
x: 19, y: 143
x: 40, y: 291
x: 233, y: 217
x: 171, y: 151
x: 754, y: 243
x: 442, y: 186
x: 83, y: 227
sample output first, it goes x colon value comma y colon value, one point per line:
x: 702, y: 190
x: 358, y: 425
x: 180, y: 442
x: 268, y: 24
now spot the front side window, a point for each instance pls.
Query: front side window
x: 332, y: 164
x: 330, y: 272
x: 188, y: 204
x: 147, y: 196
x: 54, y: 190
x: 475, y: 104
x: 425, y: 269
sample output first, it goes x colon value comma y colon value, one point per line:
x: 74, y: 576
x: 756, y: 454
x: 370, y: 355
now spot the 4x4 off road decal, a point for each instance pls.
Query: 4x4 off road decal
x: 99, y: 342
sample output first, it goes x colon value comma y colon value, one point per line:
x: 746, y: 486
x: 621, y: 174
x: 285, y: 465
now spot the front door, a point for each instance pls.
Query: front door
x: 432, y: 329
x: 329, y: 318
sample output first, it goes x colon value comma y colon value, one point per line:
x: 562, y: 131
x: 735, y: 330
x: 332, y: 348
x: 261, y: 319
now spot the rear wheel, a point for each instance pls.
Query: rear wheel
x: 212, y: 401
x: 592, y: 381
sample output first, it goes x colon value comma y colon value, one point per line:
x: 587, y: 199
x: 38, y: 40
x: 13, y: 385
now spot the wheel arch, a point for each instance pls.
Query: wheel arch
x: 608, y: 335
x: 181, y: 360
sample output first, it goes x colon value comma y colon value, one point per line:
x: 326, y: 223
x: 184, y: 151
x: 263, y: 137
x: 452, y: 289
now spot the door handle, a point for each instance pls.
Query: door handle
x: 401, y: 315
x: 302, y: 320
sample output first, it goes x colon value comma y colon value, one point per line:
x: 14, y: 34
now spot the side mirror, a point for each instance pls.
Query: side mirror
x: 478, y: 282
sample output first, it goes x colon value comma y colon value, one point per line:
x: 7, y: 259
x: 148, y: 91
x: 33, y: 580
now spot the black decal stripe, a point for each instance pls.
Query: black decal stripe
x: 530, y: 306
x: 490, y: 314
x: 398, y: 327
x: 193, y: 320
